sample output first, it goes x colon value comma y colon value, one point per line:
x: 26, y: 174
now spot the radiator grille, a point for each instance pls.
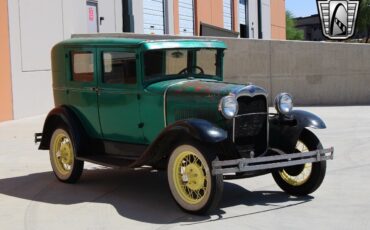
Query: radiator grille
x: 250, y: 126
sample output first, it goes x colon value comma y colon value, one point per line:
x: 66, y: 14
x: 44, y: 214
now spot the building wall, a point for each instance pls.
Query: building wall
x: 266, y: 19
x: 210, y: 12
x: 6, y: 107
x: 236, y: 16
x: 33, y: 32
x: 278, y: 20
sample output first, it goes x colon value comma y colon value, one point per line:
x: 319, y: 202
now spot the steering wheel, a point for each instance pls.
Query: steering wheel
x: 185, y: 70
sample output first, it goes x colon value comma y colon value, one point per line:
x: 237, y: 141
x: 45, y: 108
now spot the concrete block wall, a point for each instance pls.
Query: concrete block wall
x: 315, y: 73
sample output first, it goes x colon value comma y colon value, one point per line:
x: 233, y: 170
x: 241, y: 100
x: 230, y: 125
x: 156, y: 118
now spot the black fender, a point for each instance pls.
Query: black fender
x: 197, y: 129
x: 286, y: 130
x: 64, y: 117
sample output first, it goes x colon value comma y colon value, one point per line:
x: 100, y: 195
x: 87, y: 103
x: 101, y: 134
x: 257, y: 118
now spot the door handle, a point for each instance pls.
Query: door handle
x: 95, y: 89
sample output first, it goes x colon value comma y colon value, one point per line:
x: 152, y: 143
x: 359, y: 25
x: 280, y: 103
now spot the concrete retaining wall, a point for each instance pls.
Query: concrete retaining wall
x: 315, y: 73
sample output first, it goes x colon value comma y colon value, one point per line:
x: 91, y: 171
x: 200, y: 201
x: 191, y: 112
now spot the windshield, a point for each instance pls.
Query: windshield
x: 168, y: 64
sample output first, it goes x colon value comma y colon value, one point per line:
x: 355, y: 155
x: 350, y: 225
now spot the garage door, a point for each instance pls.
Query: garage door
x: 228, y: 14
x: 153, y: 16
x: 242, y: 12
x: 186, y: 17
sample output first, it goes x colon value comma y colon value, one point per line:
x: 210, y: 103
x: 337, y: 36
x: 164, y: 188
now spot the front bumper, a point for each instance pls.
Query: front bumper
x: 271, y: 162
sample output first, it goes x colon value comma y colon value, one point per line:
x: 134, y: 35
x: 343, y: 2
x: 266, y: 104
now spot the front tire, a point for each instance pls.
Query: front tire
x: 62, y: 157
x: 304, y: 179
x: 189, y: 173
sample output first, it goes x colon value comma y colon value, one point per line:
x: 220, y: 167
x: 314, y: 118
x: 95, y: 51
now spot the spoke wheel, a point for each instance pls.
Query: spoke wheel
x: 297, y: 175
x: 191, y: 182
x: 190, y: 177
x: 304, y: 179
x: 62, y: 157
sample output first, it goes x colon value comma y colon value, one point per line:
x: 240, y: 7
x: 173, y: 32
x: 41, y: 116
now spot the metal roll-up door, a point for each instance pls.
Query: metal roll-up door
x: 242, y: 12
x: 153, y: 16
x: 228, y: 14
x: 243, y: 19
x: 186, y: 17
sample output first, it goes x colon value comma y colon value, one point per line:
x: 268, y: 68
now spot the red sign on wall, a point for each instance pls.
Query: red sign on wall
x: 91, y: 14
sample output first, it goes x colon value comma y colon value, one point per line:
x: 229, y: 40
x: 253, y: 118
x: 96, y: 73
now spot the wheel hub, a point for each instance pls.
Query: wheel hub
x: 192, y: 176
x: 65, y: 152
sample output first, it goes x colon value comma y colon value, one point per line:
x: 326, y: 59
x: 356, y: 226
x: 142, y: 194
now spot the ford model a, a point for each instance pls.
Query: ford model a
x: 130, y: 102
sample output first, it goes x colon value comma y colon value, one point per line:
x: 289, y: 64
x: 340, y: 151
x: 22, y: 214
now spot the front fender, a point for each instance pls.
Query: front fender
x: 198, y: 129
x: 308, y: 120
x: 286, y: 130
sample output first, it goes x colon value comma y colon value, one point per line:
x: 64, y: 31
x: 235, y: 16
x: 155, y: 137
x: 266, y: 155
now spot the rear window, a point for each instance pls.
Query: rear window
x: 83, y: 66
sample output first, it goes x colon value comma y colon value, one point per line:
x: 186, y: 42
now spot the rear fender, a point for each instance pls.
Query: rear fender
x: 64, y: 117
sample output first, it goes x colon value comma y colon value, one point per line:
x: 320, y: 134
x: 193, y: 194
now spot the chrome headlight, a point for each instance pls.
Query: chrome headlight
x: 284, y: 103
x: 229, y: 107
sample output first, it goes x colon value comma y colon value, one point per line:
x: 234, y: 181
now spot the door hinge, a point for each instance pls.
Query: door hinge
x: 141, y: 125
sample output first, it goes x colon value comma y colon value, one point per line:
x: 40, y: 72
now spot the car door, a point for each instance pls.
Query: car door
x: 82, y: 87
x: 118, y: 95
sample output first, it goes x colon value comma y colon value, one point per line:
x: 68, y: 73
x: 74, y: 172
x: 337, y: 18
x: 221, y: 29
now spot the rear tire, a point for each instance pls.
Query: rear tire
x: 189, y: 173
x: 63, y: 157
x: 302, y: 180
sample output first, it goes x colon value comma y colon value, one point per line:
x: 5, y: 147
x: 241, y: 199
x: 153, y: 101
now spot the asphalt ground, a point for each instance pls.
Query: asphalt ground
x: 105, y: 198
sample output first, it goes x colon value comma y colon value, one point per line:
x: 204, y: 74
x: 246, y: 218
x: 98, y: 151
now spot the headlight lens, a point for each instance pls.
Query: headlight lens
x: 284, y: 103
x: 229, y: 107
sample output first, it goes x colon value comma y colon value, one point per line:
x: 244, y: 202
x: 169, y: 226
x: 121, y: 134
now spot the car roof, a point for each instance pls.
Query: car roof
x: 143, y: 43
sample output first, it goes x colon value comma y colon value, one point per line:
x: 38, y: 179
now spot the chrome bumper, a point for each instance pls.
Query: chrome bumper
x: 271, y: 162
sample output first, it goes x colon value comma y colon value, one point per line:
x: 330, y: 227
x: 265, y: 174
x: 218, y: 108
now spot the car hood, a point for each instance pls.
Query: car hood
x: 203, y: 87
x: 198, y: 98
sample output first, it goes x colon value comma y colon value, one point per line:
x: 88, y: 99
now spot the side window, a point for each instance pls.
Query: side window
x: 119, y: 68
x: 82, y: 66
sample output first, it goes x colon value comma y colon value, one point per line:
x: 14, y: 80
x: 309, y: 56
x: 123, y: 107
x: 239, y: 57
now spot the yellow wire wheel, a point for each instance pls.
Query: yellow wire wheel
x: 299, y: 175
x: 62, y: 156
x: 189, y: 177
x: 301, y: 180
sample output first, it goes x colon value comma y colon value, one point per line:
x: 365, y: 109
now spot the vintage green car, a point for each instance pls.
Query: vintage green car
x: 134, y: 102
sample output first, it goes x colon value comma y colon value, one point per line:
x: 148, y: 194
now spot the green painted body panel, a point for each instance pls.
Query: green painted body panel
x: 80, y: 96
x: 135, y: 113
x: 198, y: 99
x: 152, y: 108
x: 59, y: 75
x: 119, y: 105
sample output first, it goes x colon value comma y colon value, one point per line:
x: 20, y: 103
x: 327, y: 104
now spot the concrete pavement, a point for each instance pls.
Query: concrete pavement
x: 31, y: 197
